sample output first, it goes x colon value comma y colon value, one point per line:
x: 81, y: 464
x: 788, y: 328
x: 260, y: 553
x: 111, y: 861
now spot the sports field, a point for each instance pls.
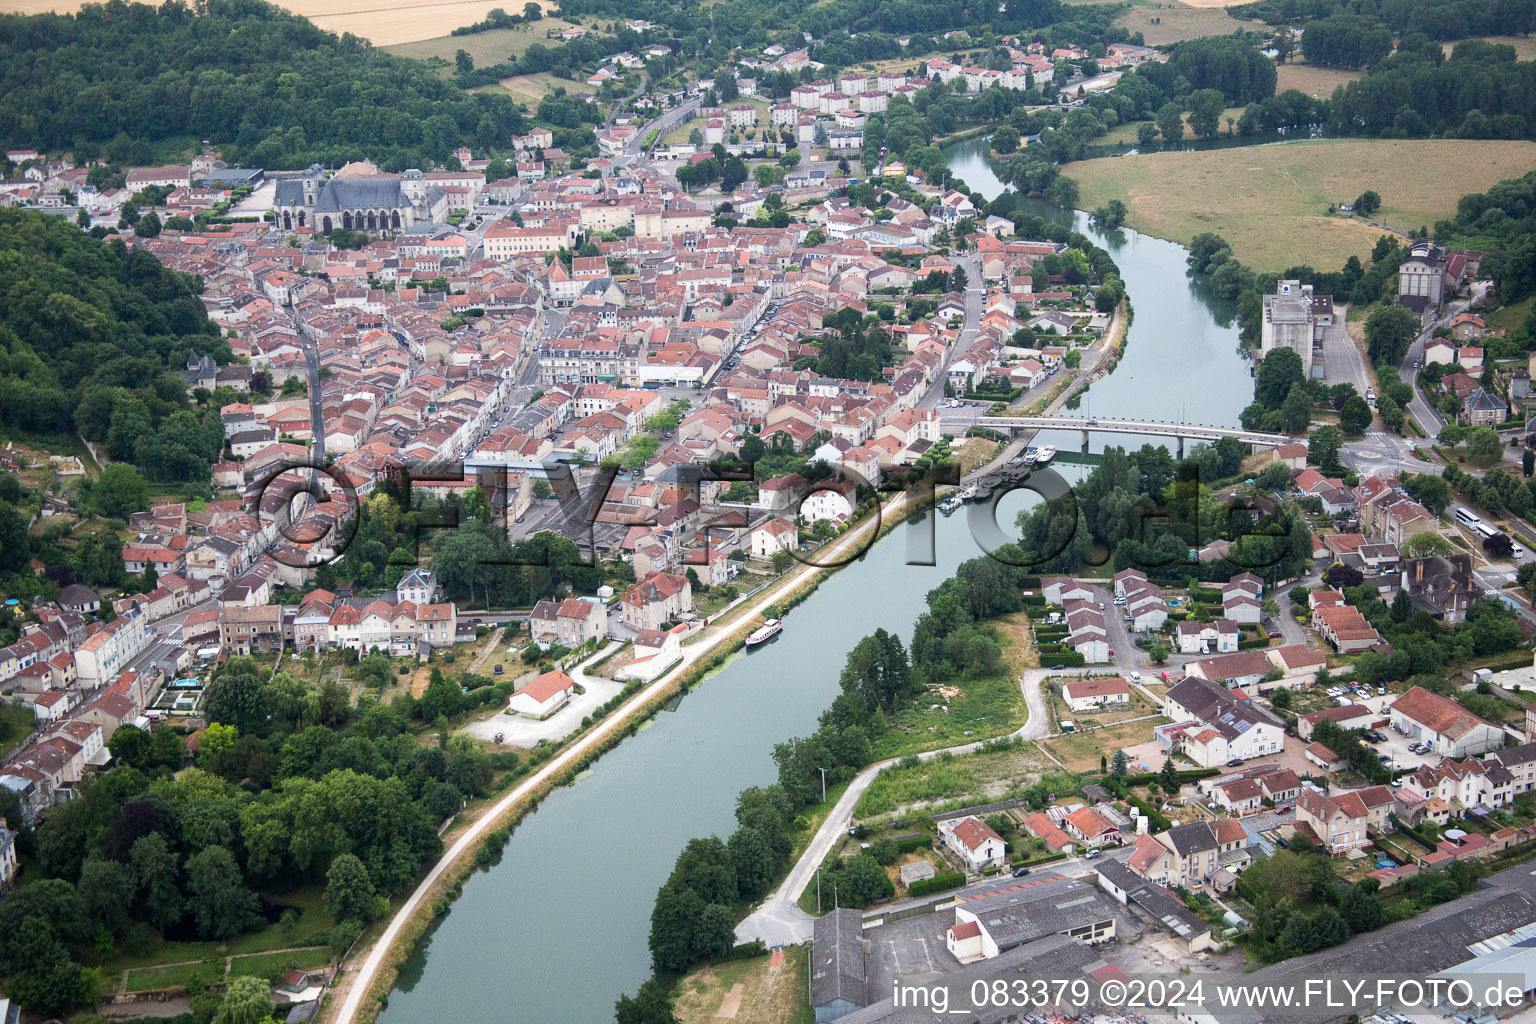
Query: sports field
x: 1270, y: 202
x: 382, y: 22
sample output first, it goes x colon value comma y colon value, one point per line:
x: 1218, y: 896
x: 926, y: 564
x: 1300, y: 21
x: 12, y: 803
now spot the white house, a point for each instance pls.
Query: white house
x: 655, y: 651
x: 1093, y: 694
x: 974, y: 841
x: 778, y: 534
x: 543, y: 696
x: 830, y: 500
x: 418, y: 586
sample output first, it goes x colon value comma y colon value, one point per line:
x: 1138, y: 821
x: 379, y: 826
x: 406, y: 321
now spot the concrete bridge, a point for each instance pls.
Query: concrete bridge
x: 1152, y: 428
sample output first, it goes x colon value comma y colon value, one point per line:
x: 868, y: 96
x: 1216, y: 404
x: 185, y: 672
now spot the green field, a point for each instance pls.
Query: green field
x: 1270, y: 202
x: 1525, y: 46
x: 171, y: 977
x: 313, y: 926
x: 1159, y: 25
x: 490, y: 47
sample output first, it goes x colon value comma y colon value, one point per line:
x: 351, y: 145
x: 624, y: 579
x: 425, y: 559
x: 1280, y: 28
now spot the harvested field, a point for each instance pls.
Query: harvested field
x: 1270, y: 202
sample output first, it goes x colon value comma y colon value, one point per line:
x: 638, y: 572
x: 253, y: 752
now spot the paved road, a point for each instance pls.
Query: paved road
x: 353, y: 985
x: 778, y: 921
x: 975, y: 309
x: 1341, y: 356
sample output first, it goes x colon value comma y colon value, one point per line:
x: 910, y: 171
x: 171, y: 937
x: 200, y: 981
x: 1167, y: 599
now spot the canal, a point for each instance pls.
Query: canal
x: 557, y: 929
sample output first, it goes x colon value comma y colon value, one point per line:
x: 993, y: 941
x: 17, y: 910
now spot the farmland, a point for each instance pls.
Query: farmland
x: 1175, y: 24
x: 1317, y: 82
x: 1270, y: 202
x: 491, y: 47
x: 381, y: 22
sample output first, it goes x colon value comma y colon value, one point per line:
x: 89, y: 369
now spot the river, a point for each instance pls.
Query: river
x: 557, y: 929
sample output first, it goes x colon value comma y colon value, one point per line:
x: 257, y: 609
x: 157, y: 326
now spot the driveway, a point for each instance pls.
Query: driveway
x: 518, y: 731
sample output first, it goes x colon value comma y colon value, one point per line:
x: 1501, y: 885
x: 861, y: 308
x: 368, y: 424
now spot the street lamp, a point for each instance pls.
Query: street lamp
x: 823, y: 784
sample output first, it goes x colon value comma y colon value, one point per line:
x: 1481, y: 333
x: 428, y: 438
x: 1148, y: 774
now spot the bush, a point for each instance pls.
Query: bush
x: 937, y: 883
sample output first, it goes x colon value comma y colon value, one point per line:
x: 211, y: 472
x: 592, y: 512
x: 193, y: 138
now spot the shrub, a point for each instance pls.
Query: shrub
x: 937, y: 883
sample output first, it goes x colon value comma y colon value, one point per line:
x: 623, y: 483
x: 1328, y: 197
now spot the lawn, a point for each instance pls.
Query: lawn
x: 1509, y: 317
x: 1166, y: 24
x: 171, y: 977
x: 1080, y: 751
x: 486, y: 48
x: 272, y: 965
x: 1270, y: 202
x: 313, y: 925
x: 982, y: 776
x: 764, y: 990
x: 15, y: 725
x: 1317, y: 82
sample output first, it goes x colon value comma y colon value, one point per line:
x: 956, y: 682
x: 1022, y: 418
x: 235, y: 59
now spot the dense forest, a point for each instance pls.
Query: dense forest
x: 1438, y: 19
x: 93, y: 335
x: 268, y: 87
x: 288, y: 788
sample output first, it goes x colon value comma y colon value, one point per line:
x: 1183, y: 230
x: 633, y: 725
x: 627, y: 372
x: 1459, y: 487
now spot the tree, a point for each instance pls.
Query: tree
x: 1146, y: 135
x: 130, y: 745
x: 106, y: 893
x: 1323, y: 446
x: 1158, y: 653
x: 1367, y: 203
x: 236, y: 697
x: 1278, y: 373
x: 1296, y: 412
x: 1168, y: 776
x: 1361, y: 908
x: 782, y: 560
x: 877, y: 672
x: 1389, y: 330
x: 1170, y: 121
x: 1391, y: 414
x: 247, y: 999
x: 1205, y: 107
x: 157, y: 872
x: 1484, y: 447
x: 1118, y: 764
x: 1005, y: 139
x: 221, y: 904
x: 147, y: 226
x: 649, y: 1006
x: 120, y: 491
x: 752, y: 449
x: 541, y: 489
x: 1355, y: 416
x: 349, y: 894
x: 1426, y: 543
x: 463, y: 62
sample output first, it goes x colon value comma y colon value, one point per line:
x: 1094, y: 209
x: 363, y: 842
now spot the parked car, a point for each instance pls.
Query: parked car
x: 1091, y: 854
x: 1135, y: 677
x: 1236, y: 762
x: 1020, y: 872
x: 1057, y: 668
x: 1274, y: 634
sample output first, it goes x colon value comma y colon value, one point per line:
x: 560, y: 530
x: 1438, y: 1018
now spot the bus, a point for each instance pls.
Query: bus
x: 1485, y: 531
x: 1467, y: 516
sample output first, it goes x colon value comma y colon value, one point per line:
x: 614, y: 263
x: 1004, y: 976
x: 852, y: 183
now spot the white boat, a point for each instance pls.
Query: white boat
x: 767, y: 631
x: 1044, y: 455
x: 949, y: 504
x: 968, y: 493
